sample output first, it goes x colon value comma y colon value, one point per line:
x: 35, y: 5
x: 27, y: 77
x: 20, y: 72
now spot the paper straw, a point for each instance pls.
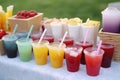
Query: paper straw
x: 42, y: 36
x: 63, y: 39
x: 31, y: 28
x: 85, y: 38
x: 99, y: 46
x: 15, y: 28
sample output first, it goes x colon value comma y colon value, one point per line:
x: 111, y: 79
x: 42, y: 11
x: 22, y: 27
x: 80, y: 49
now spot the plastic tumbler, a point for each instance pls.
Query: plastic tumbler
x: 93, y: 61
x: 86, y: 45
x: 10, y: 45
x: 25, y: 49
x: 40, y: 51
x: 73, y: 57
x: 56, y: 53
x: 108, y: 54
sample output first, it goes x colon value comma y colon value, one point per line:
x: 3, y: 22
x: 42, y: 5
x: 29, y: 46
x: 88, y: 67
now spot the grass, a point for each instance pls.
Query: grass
x: 61, y: 8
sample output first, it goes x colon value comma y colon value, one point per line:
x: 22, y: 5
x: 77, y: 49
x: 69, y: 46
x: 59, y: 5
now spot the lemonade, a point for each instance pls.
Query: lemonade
x: 56, y: 55
x: 40, y: 52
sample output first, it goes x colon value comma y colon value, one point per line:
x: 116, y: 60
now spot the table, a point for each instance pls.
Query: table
x: 14, y: 69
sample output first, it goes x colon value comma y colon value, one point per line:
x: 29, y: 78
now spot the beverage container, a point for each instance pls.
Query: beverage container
x: 57, y: 30
x: 108, y: 54
x: 10, y: 45
x: 86, y: 45
x: 73, y: 57
x: 21, y: 34
x: 47, y: 37
x: 93, y: 61
x: 25, y: 49
x: 40, y: 51
x: 56, y: 53
x: 68, y: 41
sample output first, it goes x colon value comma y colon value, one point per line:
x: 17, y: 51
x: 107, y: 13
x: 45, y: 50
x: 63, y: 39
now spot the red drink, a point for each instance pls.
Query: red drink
x: 86, y: 45
x: 73, y: 56
x: 107, y: 57
x: 37, y: 36
x: 49, y: 38
x: 93, y: 61
x: 68, y: 41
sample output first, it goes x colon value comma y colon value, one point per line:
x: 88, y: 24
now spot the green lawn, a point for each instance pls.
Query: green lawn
x: 61, y: 8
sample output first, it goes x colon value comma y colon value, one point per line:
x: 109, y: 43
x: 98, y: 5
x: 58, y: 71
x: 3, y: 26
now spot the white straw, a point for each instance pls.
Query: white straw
x: 63, y: 39
x: 42, y: 36
x: 99, y: 46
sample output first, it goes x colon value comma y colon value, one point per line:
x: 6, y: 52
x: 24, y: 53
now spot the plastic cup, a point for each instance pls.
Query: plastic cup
x: 93, y: 61
x: 68, y: 41
x: 57, y: 30
x: 86, y: 45
x: 21, y: 34
x: 10, y: 45
x: 108, y: 54
x: 1, y: 47
x: 56, y: 55
x: 25, y: 49
x: 40, y: 52
x: 74, y: 31
x: 73, y: 57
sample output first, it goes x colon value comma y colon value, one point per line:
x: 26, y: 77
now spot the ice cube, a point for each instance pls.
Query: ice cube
x: 73, y: 53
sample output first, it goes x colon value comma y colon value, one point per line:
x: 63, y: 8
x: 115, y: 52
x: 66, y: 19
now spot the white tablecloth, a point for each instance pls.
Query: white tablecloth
x: 14, y: 69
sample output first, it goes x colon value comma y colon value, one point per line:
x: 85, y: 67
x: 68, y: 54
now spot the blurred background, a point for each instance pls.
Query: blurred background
x: 61, y: 8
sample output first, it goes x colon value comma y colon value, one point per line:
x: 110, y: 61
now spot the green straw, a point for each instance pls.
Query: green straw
x: 15, y: 28
x: 31, y: 28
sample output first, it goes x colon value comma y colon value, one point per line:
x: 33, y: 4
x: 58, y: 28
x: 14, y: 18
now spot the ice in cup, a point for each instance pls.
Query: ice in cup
x: 10, y: 45
x: 56, y: 53
x: 57, y: 29
x: 74, y: 28
x: 40, y: 51
x: 93, y: 27
x: 64, y: 24
x: 86, y: 45
x: 73, y: 57
x: 46, y: 24
x: 25, y: 49
x: 93, y: 61
x: 108, y: 54
x: 1, y: 47
x: 68, y: 41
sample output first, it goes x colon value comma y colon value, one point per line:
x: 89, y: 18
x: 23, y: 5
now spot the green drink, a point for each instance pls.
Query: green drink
x: 25, y: 49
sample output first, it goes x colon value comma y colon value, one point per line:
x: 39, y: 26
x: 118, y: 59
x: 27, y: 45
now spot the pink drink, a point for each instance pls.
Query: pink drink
x: 73, y: 56
x: 68, y: 41
x: 86, y: 45
x: 107, y: 57
x: 93, y: 61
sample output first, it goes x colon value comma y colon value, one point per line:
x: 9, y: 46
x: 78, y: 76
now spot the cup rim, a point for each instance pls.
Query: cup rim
x: 88, y: 52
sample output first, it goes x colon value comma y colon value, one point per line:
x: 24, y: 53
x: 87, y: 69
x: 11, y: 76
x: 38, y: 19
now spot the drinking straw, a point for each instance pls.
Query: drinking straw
x: 85, y: 38
x: 99, y: 46
x: 63, y: 39
x: 14, y: 30
x: 42, y: 36
x: 31, y: 28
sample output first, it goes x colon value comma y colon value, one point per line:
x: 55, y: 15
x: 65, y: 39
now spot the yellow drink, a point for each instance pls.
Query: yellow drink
x: 2, y: 20
x: 40, y: 52
x: 56, y: 55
